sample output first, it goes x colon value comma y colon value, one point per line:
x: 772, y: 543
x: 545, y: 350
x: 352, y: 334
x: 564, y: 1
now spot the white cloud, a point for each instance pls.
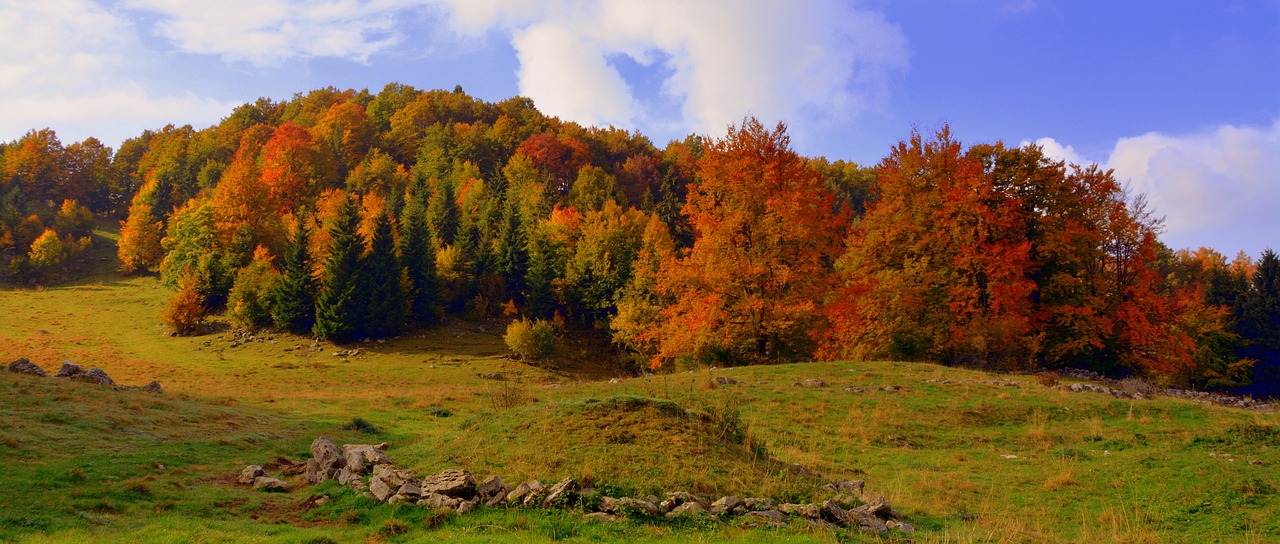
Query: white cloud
x: 266, y: 32
x: 1059, y: 152
x: 65, y: 66
x: 1217, y: 188
x: 728, y: 59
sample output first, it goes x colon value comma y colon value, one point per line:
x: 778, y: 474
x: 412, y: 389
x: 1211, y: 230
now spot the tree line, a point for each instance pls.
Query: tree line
x: 348, y: 215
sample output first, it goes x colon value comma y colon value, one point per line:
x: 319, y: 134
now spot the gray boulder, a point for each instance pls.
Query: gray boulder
x: 439, y: 501
x: 766, y: 515
x: 690, y: 508
x: 835, y: 513
x: 561, y: 494
x: 523, y: 491
x: 267, y: 483
x: 630, y: 506
x: 810, y: 511
x: 363, y: 457
x: 251, y: 473
x: 727, y: 505
x: 454, y: 483
x: 95, y: 376
x: 69, y: 370
x: 153, y: 387
x: 25, y: 366
x: 490, y: 488
x: 380, y: 489
x: 327, y: 454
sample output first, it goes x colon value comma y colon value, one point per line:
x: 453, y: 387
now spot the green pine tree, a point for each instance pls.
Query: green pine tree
x: 340, y: 306
x: 381, y: 278
x: 442, y: 214
x: 538, y: 295
x: 419, y: 260
x: 293, y: 306
x: 511, y: 260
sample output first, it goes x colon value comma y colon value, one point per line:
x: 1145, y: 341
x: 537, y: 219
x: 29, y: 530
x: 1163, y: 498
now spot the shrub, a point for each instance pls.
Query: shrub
x: 249, y: 302
x: 185, y: 312
x: 361, y: 425
x: 530, y: 340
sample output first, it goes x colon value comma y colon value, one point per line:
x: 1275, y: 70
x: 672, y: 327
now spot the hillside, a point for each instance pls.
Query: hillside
x: 966, y: 456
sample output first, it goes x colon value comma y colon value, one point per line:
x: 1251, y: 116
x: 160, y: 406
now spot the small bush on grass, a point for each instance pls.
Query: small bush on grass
x: 360, y: 424
x: 531, y: 340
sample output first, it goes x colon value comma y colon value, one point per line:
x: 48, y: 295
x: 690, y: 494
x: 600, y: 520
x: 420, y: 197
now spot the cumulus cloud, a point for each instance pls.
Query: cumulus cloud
x: 726, y: 59
x: 1218, y: 188
x: 66, y: 66
x: 1058, y: 152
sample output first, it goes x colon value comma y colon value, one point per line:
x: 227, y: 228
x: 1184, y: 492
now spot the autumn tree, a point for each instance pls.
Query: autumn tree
x: 765, y: 236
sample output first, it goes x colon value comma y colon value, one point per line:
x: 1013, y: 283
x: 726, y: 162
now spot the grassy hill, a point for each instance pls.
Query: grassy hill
x: 967, y: 456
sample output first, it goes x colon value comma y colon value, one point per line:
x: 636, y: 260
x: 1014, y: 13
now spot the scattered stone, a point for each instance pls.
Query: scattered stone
x: 756, y: 504
x: 811, y: 382
x: 69, y: 370
x: 803, y: 510
x: 380, y: 489
x: 411, y: 489
x: 395, y: 476
x: 877, y: 506
x: 891, y: 388
x: 561, y: 494
x: 321, y: 500
x: 25, y: 366
x: 725, y: 380
x: 866, y: 521
x: 153, y: 387
x: 454, y: 483
x: 771, y: 515
x: 1257, y: 462
x: 835, y: 513
x: 686, y: 509
x: 328, y: 458
x: 727, y: 505
x: 251, y: 473
x: 522, y: 491
x: 600, y: 517
x: 852, y: 389
x: 628, y: 505
x: 904, y: 527
x: 363, y: 457
x: 490, y: 488
x: 267, y: 483
x: 493, y: 376
x: 436, y: 500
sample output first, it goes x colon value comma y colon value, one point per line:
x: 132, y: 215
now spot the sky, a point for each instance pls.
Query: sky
x: 1180, y: 97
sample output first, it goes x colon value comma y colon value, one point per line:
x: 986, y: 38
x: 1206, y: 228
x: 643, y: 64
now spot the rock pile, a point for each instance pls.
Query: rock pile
x: 1133, y: 388
x: 72, y: 371
x: 367, y: 469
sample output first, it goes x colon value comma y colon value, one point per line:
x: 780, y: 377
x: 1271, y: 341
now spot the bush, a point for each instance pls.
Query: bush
x: 249, y: 302
x: 185, y: 312
x: 531, y: 340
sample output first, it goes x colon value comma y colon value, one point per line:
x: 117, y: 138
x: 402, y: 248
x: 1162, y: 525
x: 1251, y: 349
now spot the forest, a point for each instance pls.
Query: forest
x: 350, y: 215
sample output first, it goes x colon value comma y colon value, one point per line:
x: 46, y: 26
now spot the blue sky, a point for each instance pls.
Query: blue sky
x: 1181, y: 98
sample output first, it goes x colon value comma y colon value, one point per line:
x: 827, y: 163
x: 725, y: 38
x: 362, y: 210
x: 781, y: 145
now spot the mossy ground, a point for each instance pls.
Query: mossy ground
x: 966, y: 461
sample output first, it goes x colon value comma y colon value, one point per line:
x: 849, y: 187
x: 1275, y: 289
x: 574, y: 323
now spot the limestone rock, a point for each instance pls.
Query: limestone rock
x: 877, y: 506
x: 327, y: 454
x: 523, y: 491
x: 803, y: 510
x: 490, y: 487
x: 866, y: 521
x: 69, y: 370
x: 395, y: 476
x: 95, y: 375
x: 410, y: 489
x: 439, y: 501
x: 153, y: 387
x: 755, y: 504
x: 600, y: 517
x: 904, y: 527
x: 630, y: 506
x: 725, y: 380
x: 727, y: 505
x: 690, y: 508
x: 562, y: 493
x: 380, y: 489
x: 608, y: 505
x: 267, y: 483
x: 454, y: 483
x: 251, y: 473
x: 835, y: 513
x: 466, y: 506
x: 25, y: 366
x: 363, y: 457
x: 768, y: 515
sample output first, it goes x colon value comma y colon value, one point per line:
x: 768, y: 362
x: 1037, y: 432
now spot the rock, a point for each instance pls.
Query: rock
x: 363, y: 457
x: 681, y: 497
x: 454, y: 483
x: 327, y: 456
x: 850, y: 486
x: 535, y: 495
x: 410, y: 489
x: 630, y: 506
x: 522, y: 491
x: 467, y: 506
x: 345, y: 475
x: 600, y: 517
x: 561, y: 494
x: 399, y: 498
x: 770, y: 515
x: 756, y: 504
x: 607, y: 504
x: 395, y: 476
x: 690, y: 508
x: 725, y: 380
x: 25, y: 366
x: 321, y: 500
x: 251, y: 473
x: 490, y: 487
x: 314, y: 474
x: 153, y: 387
x: 380, y: 489
x: 866, y: 521
x: 95, y: 375
x: 811, y: 382
x: 267, y: 483
x: 835, y: 513
x: 69, y: 370
x: 803, y: 510
x: 500, y: 497
x: 436, y: 500
x: 357, y: 485
x: 904, y: 527
x: 877, y: 506
x: 727, y: 505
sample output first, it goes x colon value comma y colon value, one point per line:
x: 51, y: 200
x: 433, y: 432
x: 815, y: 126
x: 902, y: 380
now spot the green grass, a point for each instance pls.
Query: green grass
x: 87, y: 464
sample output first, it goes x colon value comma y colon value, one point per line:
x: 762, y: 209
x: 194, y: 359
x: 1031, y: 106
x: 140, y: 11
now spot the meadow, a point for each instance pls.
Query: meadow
x: 967, y: 456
